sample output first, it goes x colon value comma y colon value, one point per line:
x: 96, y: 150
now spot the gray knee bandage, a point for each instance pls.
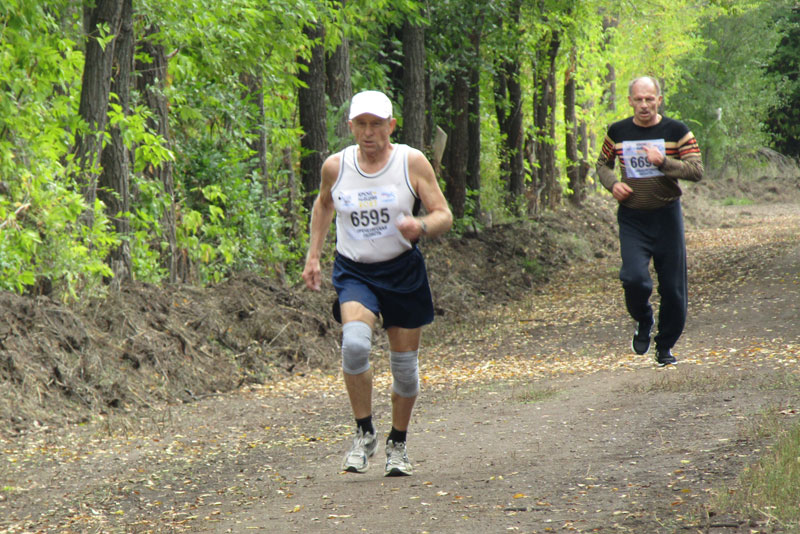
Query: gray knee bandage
x: 356, y: 346
x: 405, y: 371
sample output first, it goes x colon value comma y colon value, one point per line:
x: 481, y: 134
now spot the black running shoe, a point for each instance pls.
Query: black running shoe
x: 641, y: 338
x: 664, y: 357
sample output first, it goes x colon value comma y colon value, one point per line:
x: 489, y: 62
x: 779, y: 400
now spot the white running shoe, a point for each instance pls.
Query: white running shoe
x: 397, y: 463
x: 357, y: 458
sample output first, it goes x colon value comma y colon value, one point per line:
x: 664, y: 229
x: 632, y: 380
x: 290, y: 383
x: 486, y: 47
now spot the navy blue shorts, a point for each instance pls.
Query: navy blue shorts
x: 395, y: 289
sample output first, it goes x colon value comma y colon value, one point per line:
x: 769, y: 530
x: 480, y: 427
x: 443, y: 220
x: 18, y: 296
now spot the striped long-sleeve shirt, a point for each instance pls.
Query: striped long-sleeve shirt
x: 653, y: 187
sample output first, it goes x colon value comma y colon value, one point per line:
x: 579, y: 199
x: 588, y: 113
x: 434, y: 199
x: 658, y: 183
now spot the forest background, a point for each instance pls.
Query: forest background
x: 181, y: 141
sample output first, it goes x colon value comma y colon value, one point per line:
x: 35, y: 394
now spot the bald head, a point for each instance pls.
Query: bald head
x: 648, y: 80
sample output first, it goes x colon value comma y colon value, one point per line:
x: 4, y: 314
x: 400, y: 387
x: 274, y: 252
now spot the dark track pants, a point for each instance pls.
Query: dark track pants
x: 657, y: 235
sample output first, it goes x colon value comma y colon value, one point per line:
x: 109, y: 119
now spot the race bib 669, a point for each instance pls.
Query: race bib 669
x: 636, y: 162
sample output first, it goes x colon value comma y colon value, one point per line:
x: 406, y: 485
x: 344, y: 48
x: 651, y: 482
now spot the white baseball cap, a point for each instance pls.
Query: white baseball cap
x: 372, y: 102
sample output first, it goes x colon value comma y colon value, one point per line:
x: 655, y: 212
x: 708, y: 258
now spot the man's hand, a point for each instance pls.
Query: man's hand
x: 621, y: 191
x: 312, y: 274
x: 654, y: 155
x: 410, y: 227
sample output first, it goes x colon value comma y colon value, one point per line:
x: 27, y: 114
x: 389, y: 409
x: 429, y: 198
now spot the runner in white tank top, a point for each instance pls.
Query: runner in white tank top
x: 370, y: 205
x: 372, y: 188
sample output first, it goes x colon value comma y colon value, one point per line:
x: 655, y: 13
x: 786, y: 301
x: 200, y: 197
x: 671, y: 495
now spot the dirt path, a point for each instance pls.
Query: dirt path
x: 535, y: 419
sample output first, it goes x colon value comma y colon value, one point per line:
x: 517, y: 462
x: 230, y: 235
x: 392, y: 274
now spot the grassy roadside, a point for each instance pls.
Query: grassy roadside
x: 770, y: 489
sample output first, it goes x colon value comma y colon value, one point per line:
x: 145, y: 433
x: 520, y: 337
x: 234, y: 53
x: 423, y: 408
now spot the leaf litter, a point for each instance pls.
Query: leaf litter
x: 222, y: 459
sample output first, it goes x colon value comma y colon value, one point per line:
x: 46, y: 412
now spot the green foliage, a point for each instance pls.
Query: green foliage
x: 41, y: 240
x: 227, y: 219
x: 736, y: 201
x: 227, y: 57
x: 470, y: 222
x: 783, y: 123
x: 652, y: 38
x: 227, y: 223
x: 149, y: 148
x: 39, y: 235
x: 146, y: 239
x: 532, y: 267
x: 717, y: 97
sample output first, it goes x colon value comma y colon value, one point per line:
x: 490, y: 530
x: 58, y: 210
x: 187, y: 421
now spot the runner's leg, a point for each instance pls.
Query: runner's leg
x: 636, y: 249
x: 359, y: 387
x: 403, y: 340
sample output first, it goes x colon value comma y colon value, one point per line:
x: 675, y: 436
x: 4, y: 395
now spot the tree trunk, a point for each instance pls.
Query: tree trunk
x: 514, y: 135
x: 413, y: 132
x: 540, y: 113
x: 508, y: 106
x: 114, y: 183
x: 474, y: 123
x: 151, y: 82
x: 313, y: 120
x: 457, y: 146
x: 340, y: 88
x: 583, y: 145
x: 571, y: 144
x: 546, y: 126
x: 430, y: 126
x: 534, y: 188
x: 552, y: 193
x: 533, y: 150
x: 289, y: 211
x: 610, y: 93
x: 95, y: 88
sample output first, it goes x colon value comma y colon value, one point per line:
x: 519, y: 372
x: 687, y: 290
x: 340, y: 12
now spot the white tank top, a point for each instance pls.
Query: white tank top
x: 369, y: 206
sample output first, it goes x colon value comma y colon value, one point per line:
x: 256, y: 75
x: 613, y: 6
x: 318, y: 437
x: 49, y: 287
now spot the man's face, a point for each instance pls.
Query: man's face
x: 371, y: 132
x: 645, y: 101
